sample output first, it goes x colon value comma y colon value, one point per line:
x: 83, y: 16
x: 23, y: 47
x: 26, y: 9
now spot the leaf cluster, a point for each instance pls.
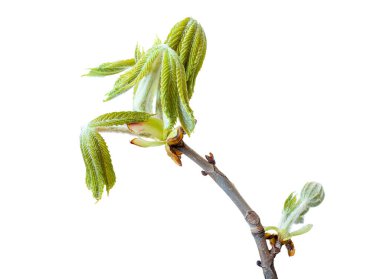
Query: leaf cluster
x: 163, y: 80
x: 188, y: 39
x: 95, y: 153
x: 295, y: 209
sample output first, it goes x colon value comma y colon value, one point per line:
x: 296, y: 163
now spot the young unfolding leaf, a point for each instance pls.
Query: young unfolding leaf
x: 146, y: 143
x: 163, y: 77
x: 147, y: 90
x: 168, y: 92
x: 111, y: 68
x: 188, y: 39
x: 312, y: 194
x: 159, y: 79
x: 139, y: 51
x: 99, y: 169
x: 301, y: 230
x: 152, y: 128
x: 134, y: 74
x: 184, y: 111
x: 119, y: 118
x: 294, y: 210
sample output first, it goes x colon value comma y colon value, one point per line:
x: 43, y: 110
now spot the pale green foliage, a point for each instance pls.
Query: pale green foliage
x: 146, y: 143
x: 188, y: 39
x: 163, y: 78
x: 119, y: 118
x: 152, y: 128
x: 139, y: 51
x: 174, y: 94
x: 135, y: 74
x: 99, y: 169
x: 160, y: 87
x: 295, y: 209
x: 313, y: 193
x: 97, y: 159
x: 111, y: 68
x: 168, y: 98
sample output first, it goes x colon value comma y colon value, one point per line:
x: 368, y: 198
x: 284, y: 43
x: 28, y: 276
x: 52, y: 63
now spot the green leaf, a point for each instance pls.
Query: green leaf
x: 111, y: 68
x: 300, y: 231
x: 122, y: 85
x: 152, y: 55
x: 186, y: 44
x: 127, y: 80
x: 99, y: 169
x: 119, y: 118
x: 135, y: 74
x: 168, y: 92
x: 188, y: 39
x: 139, y: 52
x: 146, y: 91
x: 152, y: 128
x: 158, y: 76
x: 176, y: 33
x: 146, y: 143
x: 197, y: 56
x: 295, y: 209
x: 157, y: 41
x: 185, y: 113
x: 290, y: 203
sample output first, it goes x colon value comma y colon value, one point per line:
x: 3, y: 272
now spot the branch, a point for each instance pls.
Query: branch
x: 208, y: 168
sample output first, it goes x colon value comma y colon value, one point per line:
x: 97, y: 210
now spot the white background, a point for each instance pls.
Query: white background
x: 288, y: 93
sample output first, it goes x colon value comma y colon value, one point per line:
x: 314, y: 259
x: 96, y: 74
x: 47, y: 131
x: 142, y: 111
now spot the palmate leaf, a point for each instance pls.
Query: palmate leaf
x: 188, y: 39
x: 97, y: 159
x: 111, y: 68
x: 99, y: 169
x: 119, y: 118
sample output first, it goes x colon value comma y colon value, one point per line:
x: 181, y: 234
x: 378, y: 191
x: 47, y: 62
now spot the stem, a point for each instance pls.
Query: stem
x: 267, y: 256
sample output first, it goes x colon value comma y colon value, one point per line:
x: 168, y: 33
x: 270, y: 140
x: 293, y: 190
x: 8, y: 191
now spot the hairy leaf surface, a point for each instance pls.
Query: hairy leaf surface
x: 134, y: 74
x: 119, y: 118
x: 188, y: 39
x: 111, y: 68
x: 97, y: 159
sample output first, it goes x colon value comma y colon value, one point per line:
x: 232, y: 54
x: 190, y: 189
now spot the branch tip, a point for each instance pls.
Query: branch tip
x: 251, y: 217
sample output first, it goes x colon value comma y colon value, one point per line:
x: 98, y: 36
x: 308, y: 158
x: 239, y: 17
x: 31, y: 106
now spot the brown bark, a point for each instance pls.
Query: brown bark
x: 208, y: 168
